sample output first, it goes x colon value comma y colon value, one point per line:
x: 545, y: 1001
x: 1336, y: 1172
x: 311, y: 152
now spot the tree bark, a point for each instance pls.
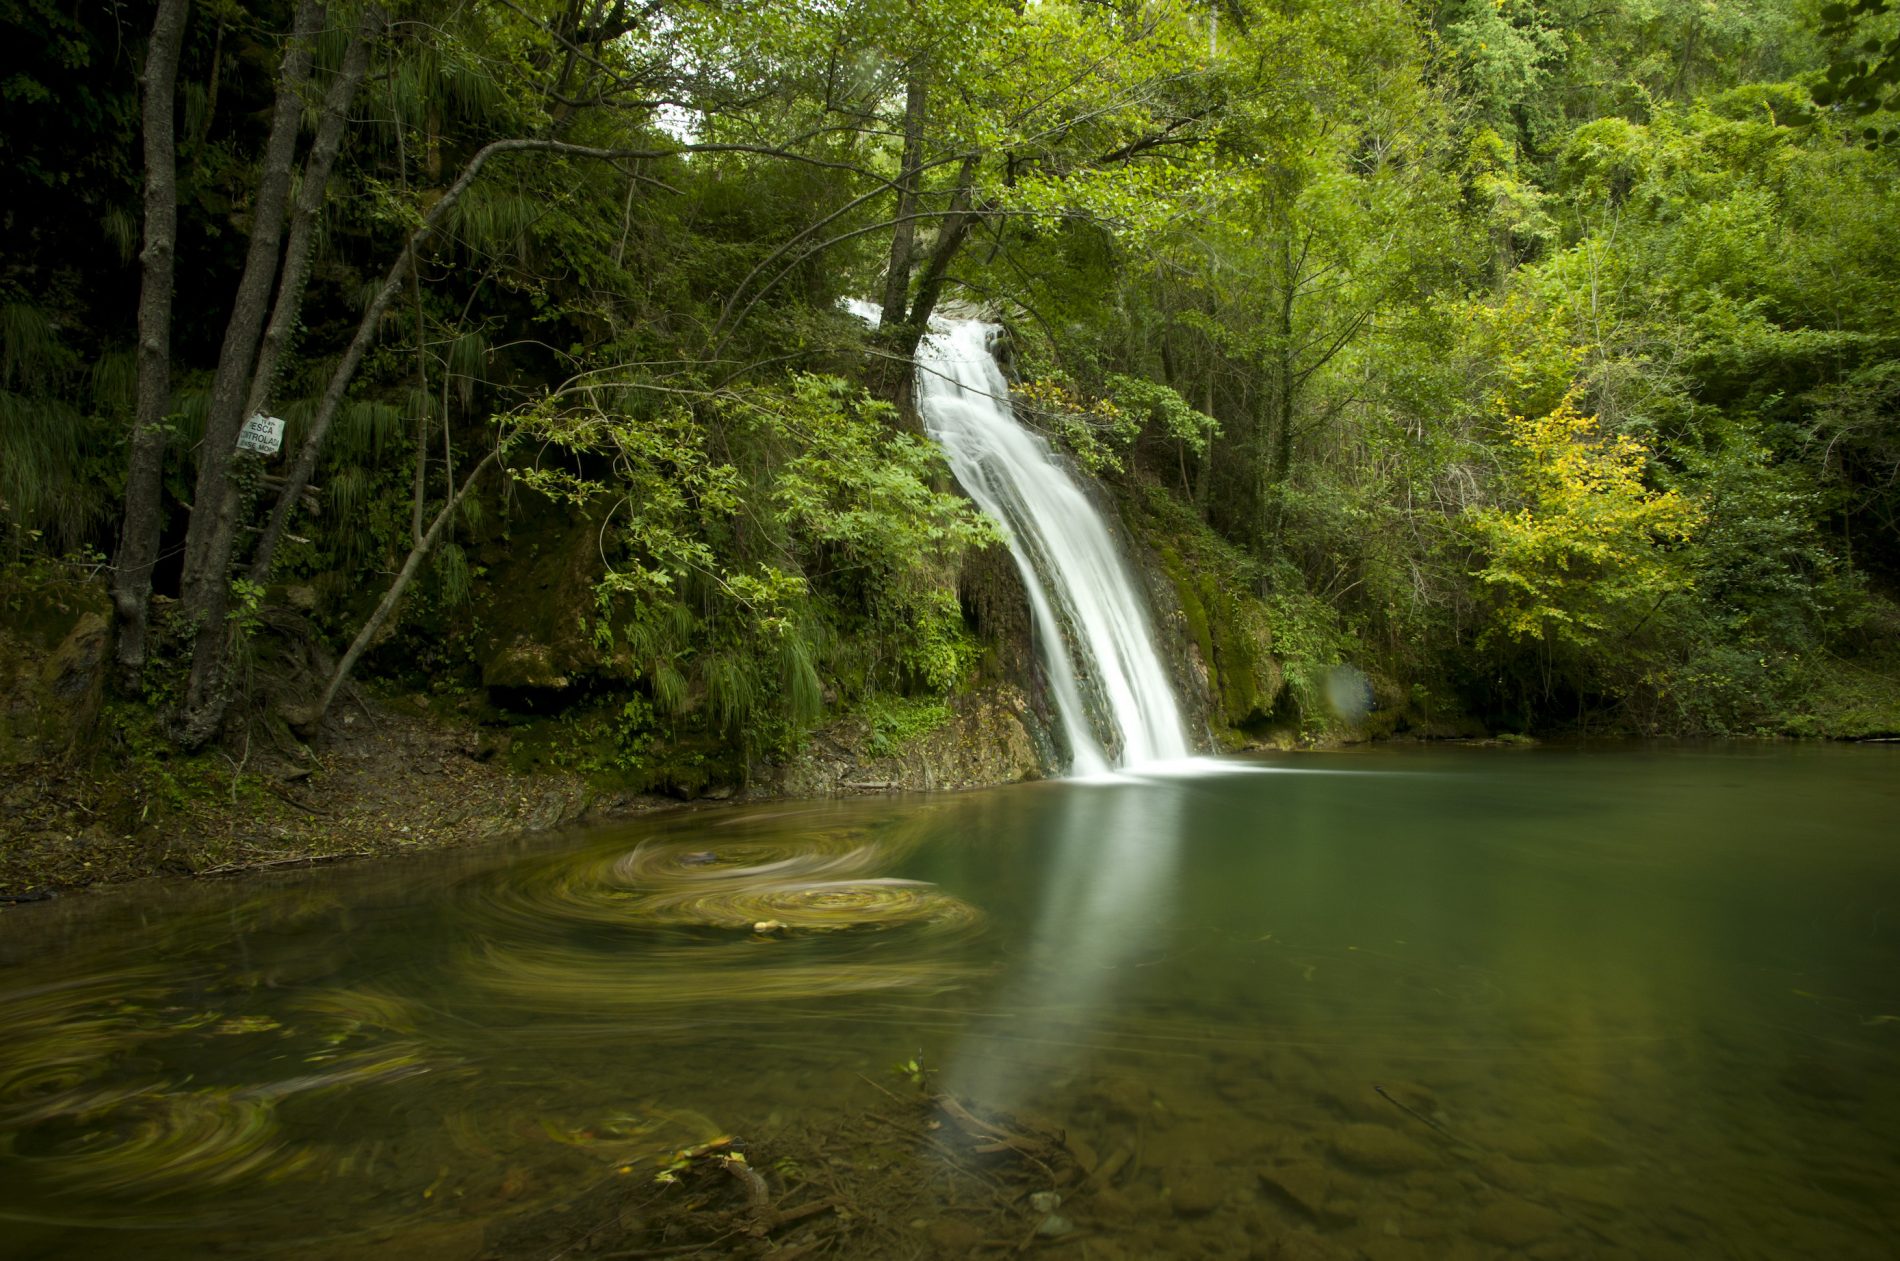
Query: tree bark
x: 903, y: 237
x: 309, y: 205
x: 393, y: 596
x: 901, y: 338
x: 1278, y: 429
x: 950, y: 237
x: 206, y: 594
x: 138, y: 540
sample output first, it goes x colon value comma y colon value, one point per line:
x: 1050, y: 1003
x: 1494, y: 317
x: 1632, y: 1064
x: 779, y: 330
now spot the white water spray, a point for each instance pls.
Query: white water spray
x: 1116, y: 704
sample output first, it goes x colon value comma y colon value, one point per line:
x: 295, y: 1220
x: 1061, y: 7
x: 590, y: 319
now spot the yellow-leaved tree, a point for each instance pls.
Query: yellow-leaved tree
x: 1580, y: 548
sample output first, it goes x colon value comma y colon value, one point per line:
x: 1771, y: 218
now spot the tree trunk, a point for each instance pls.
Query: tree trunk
x: 419, y: 483
x: 309, y: 205
x: 1277, y: 431
x: 206, y: 594
x: 138, y: 540
x: 950, y: 237
x: 387, y: 605
x: 901, y: 338
x: 903, y: 237
x: 1202, y: 474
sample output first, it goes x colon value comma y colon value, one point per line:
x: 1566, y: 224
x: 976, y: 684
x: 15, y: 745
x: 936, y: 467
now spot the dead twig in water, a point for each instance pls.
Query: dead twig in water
x: 1420, y: 1117
x: 883, y: 1089
x: 758, y: 1196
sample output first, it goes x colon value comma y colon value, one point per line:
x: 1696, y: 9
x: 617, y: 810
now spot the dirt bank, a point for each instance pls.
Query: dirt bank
x: 399, y: 774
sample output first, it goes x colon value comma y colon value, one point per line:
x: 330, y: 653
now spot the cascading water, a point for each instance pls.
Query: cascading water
x: 1114, y: 698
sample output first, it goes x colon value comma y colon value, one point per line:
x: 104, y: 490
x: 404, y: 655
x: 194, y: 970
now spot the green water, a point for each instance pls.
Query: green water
x: 1617, y: 1001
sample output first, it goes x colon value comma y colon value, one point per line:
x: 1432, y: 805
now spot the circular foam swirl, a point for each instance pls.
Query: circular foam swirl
x: 710, y: 919
x: 819, y: 906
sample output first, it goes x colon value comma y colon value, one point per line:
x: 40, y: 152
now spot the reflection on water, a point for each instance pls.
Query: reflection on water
x: 1459, y: 1003
x: 1106, y: 897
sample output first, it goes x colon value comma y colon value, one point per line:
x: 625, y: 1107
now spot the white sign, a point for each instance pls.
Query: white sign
x: 262, y: 434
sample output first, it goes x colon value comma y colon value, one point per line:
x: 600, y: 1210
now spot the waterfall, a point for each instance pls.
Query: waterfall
x: 1117, y: 706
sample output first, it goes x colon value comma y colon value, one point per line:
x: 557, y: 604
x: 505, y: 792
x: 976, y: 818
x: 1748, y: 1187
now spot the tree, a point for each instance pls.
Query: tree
x: 139, y: 531
x: 1580, y: 548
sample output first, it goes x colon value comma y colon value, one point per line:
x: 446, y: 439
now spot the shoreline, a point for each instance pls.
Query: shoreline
x: 398, y: 785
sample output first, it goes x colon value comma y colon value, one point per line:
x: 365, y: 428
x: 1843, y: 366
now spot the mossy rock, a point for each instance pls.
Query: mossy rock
x: 1234, y: 639
x: 540, y: 595
x: 55, y: 645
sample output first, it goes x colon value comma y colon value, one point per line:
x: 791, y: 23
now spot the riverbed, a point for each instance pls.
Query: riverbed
x: 1591, y: 1001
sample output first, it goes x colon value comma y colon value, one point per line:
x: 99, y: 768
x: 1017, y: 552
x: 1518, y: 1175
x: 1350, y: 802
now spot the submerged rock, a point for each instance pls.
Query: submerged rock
x: 1302, y: 1245
x: 1515, y: 1223
x: 1054, y: 1226
x: 1506, y: 1174
x: 1312, y: 1189
x: 1378, y: 1149
x: 1194, y: 1190
x: 954, y: 1235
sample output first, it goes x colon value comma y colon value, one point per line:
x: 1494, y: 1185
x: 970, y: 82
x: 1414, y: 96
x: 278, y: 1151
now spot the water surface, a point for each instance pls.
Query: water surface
x: 1410, y: 1002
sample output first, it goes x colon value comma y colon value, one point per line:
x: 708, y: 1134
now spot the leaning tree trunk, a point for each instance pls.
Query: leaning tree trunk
x: 206, y: 594
x: 904, y: 235
x: 950, y: 237
x: 305, y: 465
x: 138, y: 539
x: 901, y: 338
x: 309, y: 718
x: 304, y: 214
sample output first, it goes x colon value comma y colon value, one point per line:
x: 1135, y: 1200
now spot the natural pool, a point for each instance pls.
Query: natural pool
x: 1402, y: 1002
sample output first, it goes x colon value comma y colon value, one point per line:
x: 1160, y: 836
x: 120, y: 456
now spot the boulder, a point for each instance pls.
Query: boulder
x: 55, y: 647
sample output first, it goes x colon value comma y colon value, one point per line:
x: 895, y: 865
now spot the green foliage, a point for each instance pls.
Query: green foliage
x: 735, y: 588
x: 1294, y: 269
x: 1862, y: 80
x: 55, y: 423
x: 862, y: 514
x: 894, y: 721
x: 1584, y: 551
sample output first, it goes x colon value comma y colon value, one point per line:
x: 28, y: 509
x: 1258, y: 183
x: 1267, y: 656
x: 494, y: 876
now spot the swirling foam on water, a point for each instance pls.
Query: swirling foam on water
x: 740, y: 921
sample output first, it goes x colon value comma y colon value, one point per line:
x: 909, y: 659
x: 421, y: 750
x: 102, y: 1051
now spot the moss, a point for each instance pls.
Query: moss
x: 1192, y: 607
x: 55, y: 639
x: 1250, y: 678
x: 1229, y: 627
x: 535, y: 603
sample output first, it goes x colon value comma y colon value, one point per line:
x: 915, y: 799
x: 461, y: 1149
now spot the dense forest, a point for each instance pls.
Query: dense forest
x: 1538, y: 358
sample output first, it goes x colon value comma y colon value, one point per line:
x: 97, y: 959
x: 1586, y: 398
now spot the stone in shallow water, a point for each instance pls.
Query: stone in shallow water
x: 953, y: 1236
x: 1378, y: 1149
x: 1506, y: 1174
x: 1515, y: 1223
x: 1122, y: 1099
x: 1574, y: 1146
x: 1301, y: 1245
x: 458, y: 1241
x: 1385, y: 1248
x: 1311, y: 1188
x: 1194, y: 1190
